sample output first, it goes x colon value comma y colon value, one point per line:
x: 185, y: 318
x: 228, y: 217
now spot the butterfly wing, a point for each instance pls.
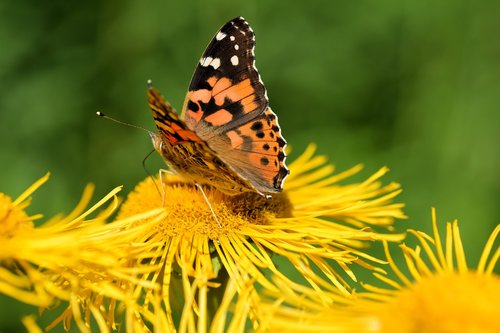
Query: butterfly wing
x: 169, y: 125
x: 227, y: 106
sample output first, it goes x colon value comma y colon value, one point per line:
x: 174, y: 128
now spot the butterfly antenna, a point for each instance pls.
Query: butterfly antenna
x: 100, y: 114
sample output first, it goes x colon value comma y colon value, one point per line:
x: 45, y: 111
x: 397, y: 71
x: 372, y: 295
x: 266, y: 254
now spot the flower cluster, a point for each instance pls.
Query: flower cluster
x: 165, y: 260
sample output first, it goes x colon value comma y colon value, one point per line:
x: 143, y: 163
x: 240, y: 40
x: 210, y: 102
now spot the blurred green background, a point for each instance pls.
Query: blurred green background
x: 414, y: 85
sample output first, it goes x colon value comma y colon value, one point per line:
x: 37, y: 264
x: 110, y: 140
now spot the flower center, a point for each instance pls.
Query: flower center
x: 445, y: 303
x: 188, y: 211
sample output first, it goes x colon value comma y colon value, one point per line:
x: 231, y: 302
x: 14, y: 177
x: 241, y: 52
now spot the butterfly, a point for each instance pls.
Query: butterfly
x: 226, y: 136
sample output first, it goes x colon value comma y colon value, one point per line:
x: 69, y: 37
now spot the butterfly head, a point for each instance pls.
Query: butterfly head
x: 157, y: 141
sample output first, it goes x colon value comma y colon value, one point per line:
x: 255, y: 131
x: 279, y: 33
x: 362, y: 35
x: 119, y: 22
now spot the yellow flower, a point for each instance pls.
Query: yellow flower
x: 314, y: 223
x: 78, y: 259
x: 100, y: 270
x: 440, y: 295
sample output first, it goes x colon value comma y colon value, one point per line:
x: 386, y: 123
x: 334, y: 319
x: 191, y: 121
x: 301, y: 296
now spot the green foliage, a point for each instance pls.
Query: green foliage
x: 409, y: 84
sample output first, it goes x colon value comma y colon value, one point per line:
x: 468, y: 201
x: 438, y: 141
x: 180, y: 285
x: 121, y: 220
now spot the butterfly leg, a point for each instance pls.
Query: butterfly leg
x: 208, y: 203
x: 161, y: 172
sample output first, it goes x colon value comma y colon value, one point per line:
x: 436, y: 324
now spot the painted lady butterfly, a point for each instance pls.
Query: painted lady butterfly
x: 227, y: 136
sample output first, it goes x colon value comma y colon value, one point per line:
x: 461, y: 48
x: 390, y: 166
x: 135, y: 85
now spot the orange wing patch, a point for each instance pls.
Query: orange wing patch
x: 168, y: 122
x: 234, y: 93
x: 222, y: 84
x: 239, y: 97
x: 219, y: 118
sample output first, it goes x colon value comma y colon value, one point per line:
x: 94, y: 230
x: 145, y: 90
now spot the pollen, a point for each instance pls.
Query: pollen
x: 189, y: 212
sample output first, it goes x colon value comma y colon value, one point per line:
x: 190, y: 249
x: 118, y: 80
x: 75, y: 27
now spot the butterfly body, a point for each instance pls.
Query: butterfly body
x: 227, y: 136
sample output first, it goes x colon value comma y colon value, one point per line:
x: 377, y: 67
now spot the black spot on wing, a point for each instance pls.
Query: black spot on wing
x: 235, y: 108
x: 204, y: 84
x: 256, y: 126
x: 193, y: 106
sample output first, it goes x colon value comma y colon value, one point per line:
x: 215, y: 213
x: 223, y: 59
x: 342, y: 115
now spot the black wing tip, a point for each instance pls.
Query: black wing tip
x: 238, y: 21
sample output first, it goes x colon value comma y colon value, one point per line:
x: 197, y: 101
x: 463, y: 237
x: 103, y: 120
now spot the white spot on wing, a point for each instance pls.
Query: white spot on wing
x: 234, y: 60
x: 215, y: 63
x: 220, y: 35
x: 236, y: 47
x: 204, y: 62
x: 232, y: 38
x: 209, y: 61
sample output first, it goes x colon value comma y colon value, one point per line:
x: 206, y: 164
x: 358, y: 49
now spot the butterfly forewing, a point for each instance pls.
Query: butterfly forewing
x: 226, y: 89
x: 227, y: 106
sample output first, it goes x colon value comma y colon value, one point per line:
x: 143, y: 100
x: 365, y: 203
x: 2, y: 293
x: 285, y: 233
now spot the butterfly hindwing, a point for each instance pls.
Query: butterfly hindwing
x: 255, y: 150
